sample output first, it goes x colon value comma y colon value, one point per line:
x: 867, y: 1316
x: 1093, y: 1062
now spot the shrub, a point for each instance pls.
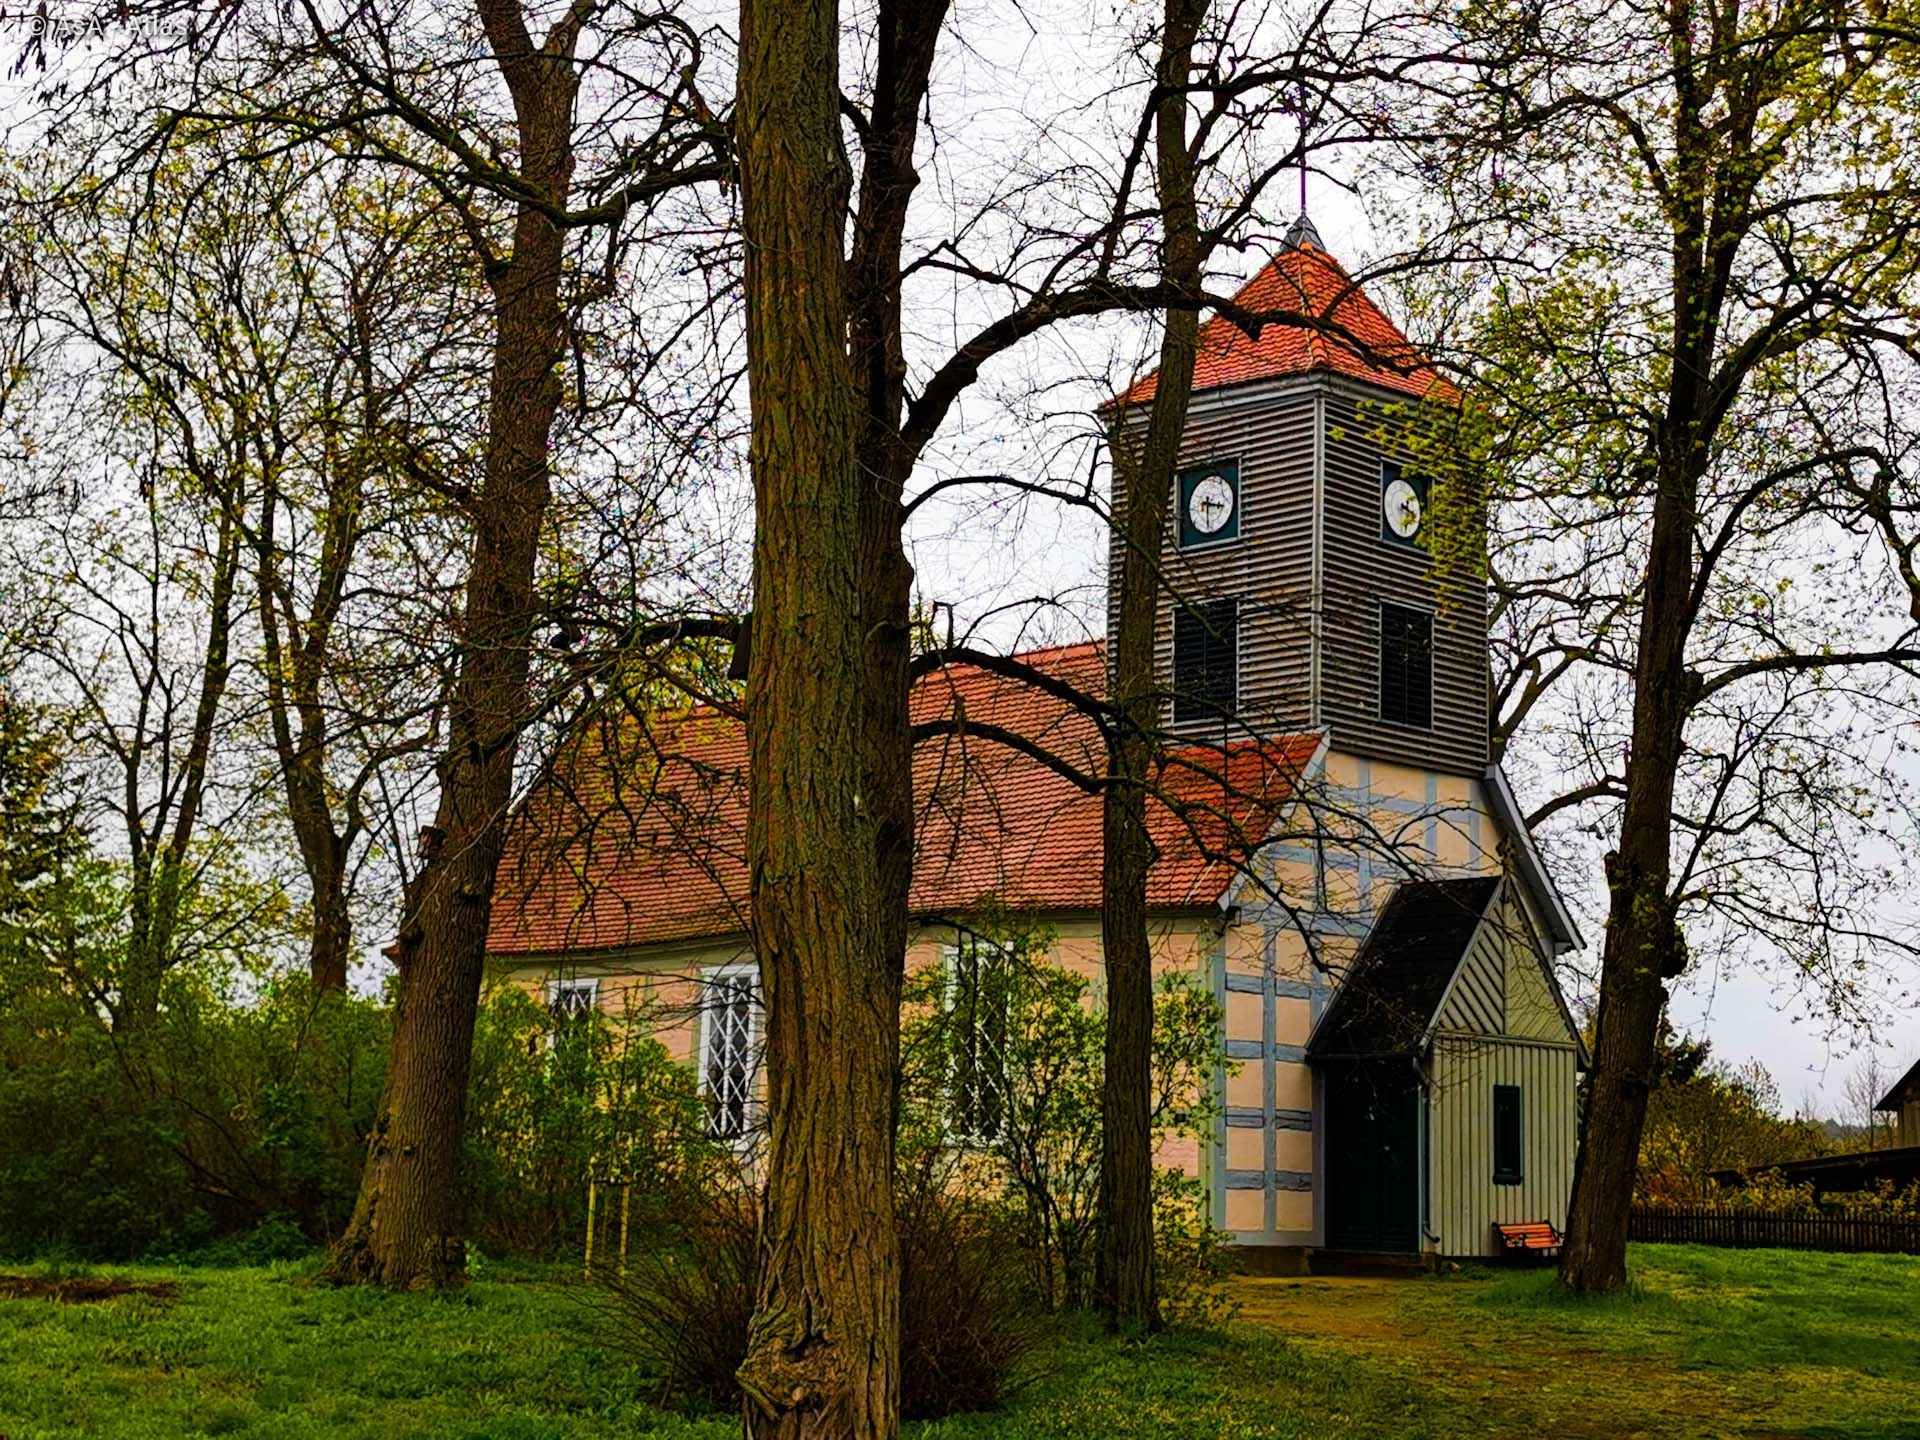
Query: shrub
x: 1041, y: 1154
x: 682, y: 1308
x: 1194, y: 1257
x: 230, y: 1113
x: 556, y: 1102
x: 969, y: 1328
x: 247, y: 1114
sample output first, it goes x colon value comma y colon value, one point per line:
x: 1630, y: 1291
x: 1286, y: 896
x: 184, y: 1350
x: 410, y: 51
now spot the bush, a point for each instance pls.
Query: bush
x: 969, y: 1329
x: 682, y: 1308
x: 1041, y: 1154
x: 226, y: 1114
x: 556, y: 1102
x: 238, y: 1125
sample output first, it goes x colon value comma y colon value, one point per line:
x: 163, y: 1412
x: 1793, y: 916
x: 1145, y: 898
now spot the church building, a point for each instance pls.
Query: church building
x: 1340, y: 860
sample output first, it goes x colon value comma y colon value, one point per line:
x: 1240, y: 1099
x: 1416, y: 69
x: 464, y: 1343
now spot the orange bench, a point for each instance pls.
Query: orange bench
x: 1535, y: 1239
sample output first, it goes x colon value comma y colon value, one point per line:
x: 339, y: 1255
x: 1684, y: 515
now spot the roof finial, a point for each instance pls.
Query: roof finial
x: 1303, y: 232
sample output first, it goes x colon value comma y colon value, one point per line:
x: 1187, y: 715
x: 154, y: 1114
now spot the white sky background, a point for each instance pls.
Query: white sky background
x: 1030, y: 85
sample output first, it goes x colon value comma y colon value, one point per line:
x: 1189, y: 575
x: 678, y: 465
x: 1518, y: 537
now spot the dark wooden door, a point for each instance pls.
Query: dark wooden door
x: 1373, y: 1157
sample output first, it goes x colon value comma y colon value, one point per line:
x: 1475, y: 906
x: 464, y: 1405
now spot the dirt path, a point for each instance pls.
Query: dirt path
x: 1517, y: 1382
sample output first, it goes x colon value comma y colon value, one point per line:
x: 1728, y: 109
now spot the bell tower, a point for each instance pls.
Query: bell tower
x: 1299, y: 589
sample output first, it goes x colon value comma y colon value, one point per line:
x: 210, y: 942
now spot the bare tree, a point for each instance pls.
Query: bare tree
x: 1862, y: 1091
x: 142, y: 582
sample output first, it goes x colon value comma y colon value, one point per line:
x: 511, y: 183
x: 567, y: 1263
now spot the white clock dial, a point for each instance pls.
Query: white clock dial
x: 1210, y: 505
x: 1401, y: 502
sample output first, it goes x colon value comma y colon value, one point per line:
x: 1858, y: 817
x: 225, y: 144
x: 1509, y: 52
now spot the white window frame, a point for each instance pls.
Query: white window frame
x: 558, y: 989
x: 710, y: 976
x: 950, y: 965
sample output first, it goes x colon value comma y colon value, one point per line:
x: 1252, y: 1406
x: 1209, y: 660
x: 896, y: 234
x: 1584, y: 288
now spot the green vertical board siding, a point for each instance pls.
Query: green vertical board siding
x: 1466, y: 1201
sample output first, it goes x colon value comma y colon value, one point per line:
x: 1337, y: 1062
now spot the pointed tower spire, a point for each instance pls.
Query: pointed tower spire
x: 1301, y: 233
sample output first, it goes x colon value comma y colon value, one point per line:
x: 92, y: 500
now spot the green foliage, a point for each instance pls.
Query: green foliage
x: 226, y: 1115
x: 241, y: 1117
x: 39, y: 839
x: 1031, y: 1028
x: 1195, y: 1258
x: 556, y: 1102
x: 1721, y: 1117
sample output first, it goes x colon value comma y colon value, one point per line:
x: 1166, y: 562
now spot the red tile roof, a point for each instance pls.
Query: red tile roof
x: 593, y: 865
x: 1304, y: 279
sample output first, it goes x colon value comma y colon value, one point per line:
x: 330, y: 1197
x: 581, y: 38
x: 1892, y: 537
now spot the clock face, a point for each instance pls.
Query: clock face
x: 1210, y: 505
x: 1400, y: 503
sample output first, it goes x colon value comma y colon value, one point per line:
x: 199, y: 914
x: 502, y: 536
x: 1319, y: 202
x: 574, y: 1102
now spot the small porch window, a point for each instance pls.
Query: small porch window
x: 1507, y: 1149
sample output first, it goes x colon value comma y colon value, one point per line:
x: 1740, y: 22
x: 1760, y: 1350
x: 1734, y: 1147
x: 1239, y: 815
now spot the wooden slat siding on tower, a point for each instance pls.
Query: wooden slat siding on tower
x: 1269, y: 430
x: 1361, y: 570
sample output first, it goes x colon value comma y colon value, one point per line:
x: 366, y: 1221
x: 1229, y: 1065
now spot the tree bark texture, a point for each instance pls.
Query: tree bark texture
x: 1643, y: 948
x: 405, y: 1227
x: 823, y: 1346
x: 1125, y: 1282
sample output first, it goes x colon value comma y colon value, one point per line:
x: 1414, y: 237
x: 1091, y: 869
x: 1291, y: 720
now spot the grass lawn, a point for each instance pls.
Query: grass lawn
x: 1712, y: 1343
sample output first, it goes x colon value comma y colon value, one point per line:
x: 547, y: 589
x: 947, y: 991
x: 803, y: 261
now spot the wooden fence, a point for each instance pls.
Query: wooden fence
x: 1728, y: 1225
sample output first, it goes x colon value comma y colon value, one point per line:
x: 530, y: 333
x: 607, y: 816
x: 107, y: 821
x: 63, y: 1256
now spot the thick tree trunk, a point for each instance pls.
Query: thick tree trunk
x: 405, y: 1227
x: 1643, y: 947
x: 1125, y: 1280
x: 823, y: 1348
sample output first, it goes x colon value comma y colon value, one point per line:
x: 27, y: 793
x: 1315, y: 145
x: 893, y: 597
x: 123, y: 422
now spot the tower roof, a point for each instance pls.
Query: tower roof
x: 1359, y: 342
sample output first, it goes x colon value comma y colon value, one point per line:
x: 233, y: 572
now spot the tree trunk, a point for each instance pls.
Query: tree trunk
x: 295, y: 667
x: 162, y: 857
x: 404, y: 1230
x: 1643, y: 945
x: 1125, y: 1280
x: 823, y: 1348
x: 330, y: 948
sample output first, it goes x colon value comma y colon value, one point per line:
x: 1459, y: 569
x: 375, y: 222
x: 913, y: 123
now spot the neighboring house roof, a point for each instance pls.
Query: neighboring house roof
x: 597, y: 862
x: 1906, y: 1088
x: 1403, y: 970
x: 1357, y: 341
x: 1837, y: 1174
